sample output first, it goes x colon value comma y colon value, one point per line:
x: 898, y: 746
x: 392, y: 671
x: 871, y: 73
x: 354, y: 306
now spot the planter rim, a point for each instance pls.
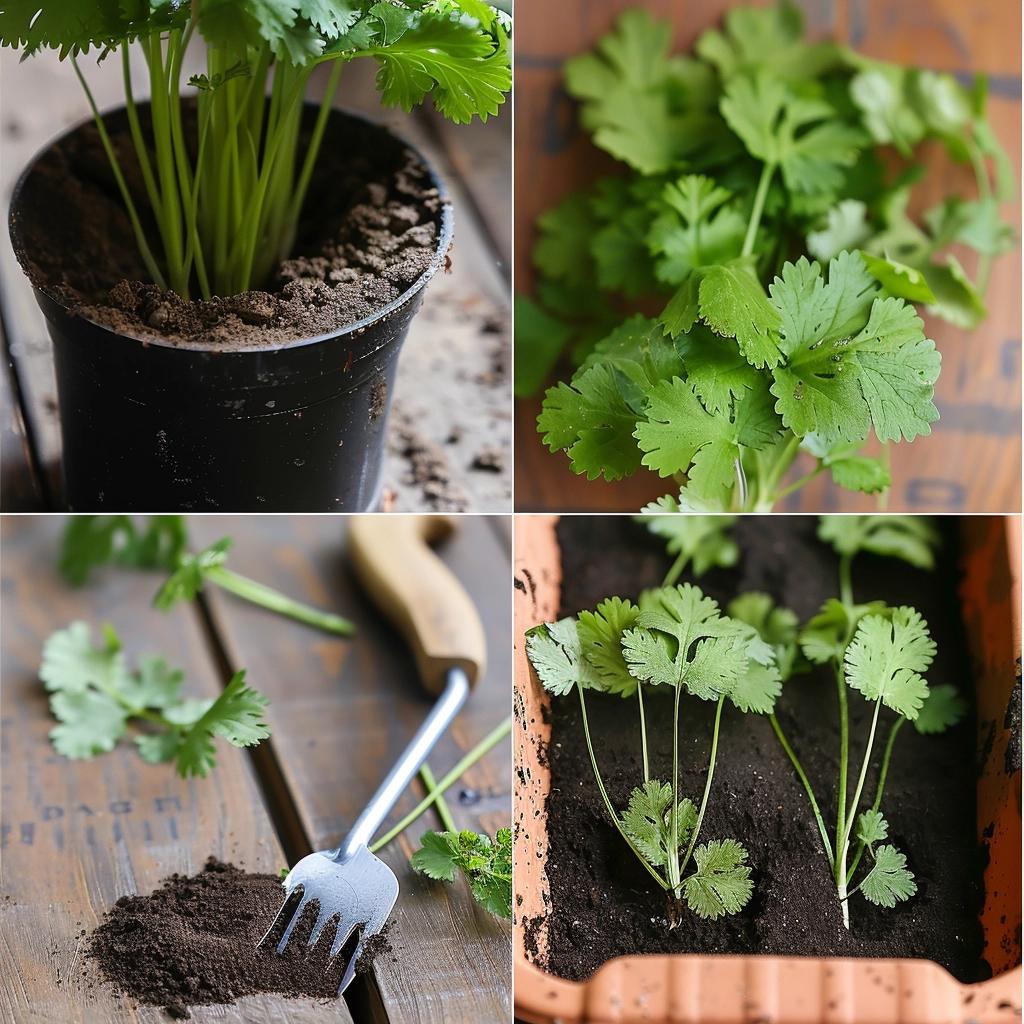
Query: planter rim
x: 354, y: 329
x: 609, y: 996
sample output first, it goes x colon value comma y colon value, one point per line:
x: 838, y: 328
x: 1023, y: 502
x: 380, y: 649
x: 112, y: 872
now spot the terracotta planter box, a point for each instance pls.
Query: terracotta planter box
x: 695, y: 989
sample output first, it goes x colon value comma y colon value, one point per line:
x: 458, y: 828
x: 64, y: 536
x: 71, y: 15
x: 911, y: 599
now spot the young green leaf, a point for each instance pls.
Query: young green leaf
x: 600, y: 637
x: 700, y: 541
x: 733, y: 304
x: 826, y: 635
x: 236, y: 715
x: 911, y: 538
x: 942, y: 709
x: 886, y: 658
x: 889, y: 881
x: 776, y: 626
x: 556, y: 653
x: 91, y: 722
x: 92, y: 541
x: 721, y: 884
x: 648, y: 821
x: 872, y: 828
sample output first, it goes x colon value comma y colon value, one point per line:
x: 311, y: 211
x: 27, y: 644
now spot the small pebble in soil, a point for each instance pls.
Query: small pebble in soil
x: 195, y: 940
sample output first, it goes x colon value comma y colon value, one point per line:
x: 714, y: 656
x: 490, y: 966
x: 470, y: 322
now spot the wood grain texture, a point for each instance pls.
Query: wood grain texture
x: 76, y: 836
x: 971, y: 463
x: 341, y: 711
x: 454, y: 384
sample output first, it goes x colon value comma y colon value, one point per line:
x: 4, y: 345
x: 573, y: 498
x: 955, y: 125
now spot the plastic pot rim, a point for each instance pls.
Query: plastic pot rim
x: 444, y: 241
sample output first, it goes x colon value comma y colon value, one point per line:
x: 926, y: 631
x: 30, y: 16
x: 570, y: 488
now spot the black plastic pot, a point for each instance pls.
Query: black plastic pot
x: 157, y: 427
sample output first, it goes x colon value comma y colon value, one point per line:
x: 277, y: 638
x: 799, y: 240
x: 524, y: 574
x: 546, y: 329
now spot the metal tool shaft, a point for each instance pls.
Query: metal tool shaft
x: 445, y: 709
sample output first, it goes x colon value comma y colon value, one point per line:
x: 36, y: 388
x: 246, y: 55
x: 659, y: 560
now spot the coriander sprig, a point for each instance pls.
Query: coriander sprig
x: 92, y: 541
x: 757, y: 206
x: 96, y: 697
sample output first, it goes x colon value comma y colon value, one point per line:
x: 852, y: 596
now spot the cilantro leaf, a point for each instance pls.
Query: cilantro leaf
x: 556, y: 653
x: 680, y: 436
x: 648, y: 821
x: 600, y: 636
x: 90, y: 541
x: 540, y: 340
x: 733, y: 303
x: 466, y: 71
x: 721, y: 884
x: 236, y: 715
x: 826, y: 635
x: 716, y: 369
x: 872, y: 827
x: 849, y: 468
x: 911, y: 538
x: 94, y: 696
x: 889, y: 881
x: 942, y: 708
x: 886, y: 658
x: 845, y: 227
x: 702, y: 541
x: 707, y: 652
x: 776, y: 626
x: 486, y: 864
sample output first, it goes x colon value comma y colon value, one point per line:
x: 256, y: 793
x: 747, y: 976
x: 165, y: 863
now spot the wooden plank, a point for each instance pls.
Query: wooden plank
x: 78, y: 835
x: 972, y: 461
x: 453, y: 394
x: 341, y: 712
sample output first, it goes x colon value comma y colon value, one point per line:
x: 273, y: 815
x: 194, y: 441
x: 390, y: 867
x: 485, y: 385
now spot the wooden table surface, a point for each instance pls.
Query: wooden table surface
x: 971, y: 462
x: 453, y: 395
x: 75, y: 836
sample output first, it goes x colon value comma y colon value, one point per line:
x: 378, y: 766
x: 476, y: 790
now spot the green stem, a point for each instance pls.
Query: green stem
x: 443, y: 810
x: 845, y: 581
x: 707, y: 786
x: 677, y: 568
x: 643, y: 729
x: 674, y: 871
x: 844, y: 761
x: 844, y: 843
x: 122, y: 185
x: 802, y: 775
x: 135, y: 127
x: 607, y: 800
x: 275, y: 601
x: 755, y: 215
x: 802, y: 482
x: 879, y: 789
x: 494, y: 737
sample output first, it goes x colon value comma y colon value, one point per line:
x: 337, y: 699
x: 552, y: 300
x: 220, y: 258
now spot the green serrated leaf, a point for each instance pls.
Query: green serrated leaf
x: 872, y: 827
x: 556, y: 653
x: 942, y: 709
x: 721, y: 884
x: 600, y: 637
x: 889, y: 881
x: 912, y: 539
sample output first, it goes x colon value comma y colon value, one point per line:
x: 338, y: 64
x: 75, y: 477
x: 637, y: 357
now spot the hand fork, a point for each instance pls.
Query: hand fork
x: 436, y: 616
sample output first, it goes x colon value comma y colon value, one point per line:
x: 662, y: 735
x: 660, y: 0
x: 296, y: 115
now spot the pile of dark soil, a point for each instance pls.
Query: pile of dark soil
x: 600, y: 905
x: 194, y: 941
x: 371, y: 229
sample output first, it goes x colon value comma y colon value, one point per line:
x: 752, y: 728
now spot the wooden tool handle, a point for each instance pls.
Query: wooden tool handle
x: 419, y: 593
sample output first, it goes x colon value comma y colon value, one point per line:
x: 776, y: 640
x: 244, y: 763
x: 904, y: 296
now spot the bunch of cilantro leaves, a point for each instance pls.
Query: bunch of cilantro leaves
x: 760, y: 202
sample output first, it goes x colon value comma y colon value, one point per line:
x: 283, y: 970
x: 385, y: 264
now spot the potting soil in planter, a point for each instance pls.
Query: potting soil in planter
x: 194, y: 941
x: 601, y: 904
x: 370, y: 231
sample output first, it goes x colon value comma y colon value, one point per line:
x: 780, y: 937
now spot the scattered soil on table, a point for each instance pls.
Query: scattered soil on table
x: 600, y: 906
x: 370, y: 232
x: 194, y: 941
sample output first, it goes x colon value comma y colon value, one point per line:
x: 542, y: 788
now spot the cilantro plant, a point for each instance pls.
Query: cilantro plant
x: 91, y: 541
x: 701, y: 542
x: 757, y: 205
x: 96, y: 697
x: 224, y: 189
x: 486, y: 864
x: 674, y: 639
x: 882, y: 653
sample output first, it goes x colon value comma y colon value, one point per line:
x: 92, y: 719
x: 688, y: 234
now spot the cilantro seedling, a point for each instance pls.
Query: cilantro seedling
x: 96, y: 698
x: 674, y: 639
x: 225, y: 194
x: 702, y: 542
x: 91, y: 541
x: 882, y: 653
x: 758, y: 207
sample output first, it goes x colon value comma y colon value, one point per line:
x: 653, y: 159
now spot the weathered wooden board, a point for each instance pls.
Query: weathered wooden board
x: 341, y: 711
x: 971, y: 463
x: 76, y: 836
x: 450, y: 439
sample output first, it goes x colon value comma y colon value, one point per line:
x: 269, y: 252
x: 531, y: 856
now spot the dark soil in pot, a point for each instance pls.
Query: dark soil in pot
x: 371, y: 224
x: 194, y: 941
x: 600, y: 906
